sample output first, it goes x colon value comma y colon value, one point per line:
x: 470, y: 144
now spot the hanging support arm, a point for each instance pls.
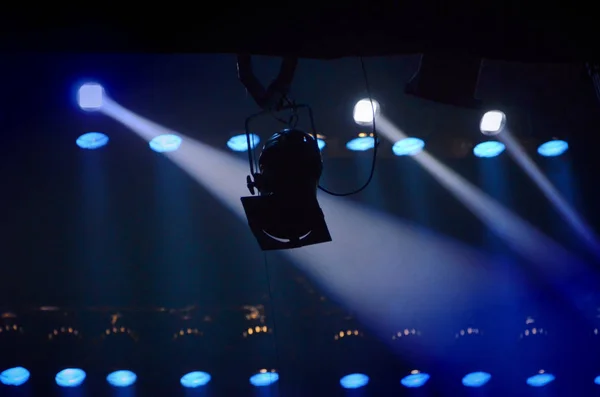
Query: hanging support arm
x: 273, y: 98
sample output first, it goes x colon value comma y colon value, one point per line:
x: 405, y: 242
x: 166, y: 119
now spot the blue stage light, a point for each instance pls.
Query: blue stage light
x: 408, y: 147
x: 321, y: 144
x: 14, y: 376
x: 361, y: 144
x: 476, y: 379
x: 70, y: 377
x: 415, y: 380
x: 597, y: 380
x: 121, y: 378
x: 264, y: 379
x: 488, y: 149
x: 195, y: 379
x: 540, y: 380
x: 239, y: 143
x: 165, y: 143
x: 92, y: 140
x: 354, y: 381
x: 553, y: 148
x: 90, y: 96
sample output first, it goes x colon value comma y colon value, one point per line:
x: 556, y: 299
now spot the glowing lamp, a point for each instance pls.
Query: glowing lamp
x: 492, y: 122
x: 365, y: 111
x: 90, y: 96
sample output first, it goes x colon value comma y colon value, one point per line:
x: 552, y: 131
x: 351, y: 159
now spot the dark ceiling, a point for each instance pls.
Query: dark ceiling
x: 88, y: 234
x: 498, y: 30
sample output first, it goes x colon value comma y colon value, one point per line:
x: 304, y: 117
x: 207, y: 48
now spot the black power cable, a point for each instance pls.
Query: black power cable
x: 375, y: 139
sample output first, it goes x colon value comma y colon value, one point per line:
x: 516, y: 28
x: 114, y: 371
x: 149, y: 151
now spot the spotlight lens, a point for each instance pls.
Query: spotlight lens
x: 165, y: 143
x: 476, y: 379
x: 195, y: 379
x: 488, y: 149
x: 70, y: 377
x: 264, y: 379
x: 414, y: 380
x: 92, y: 140
x: 408, y: 147
x: 364, y: 111
x: 121, y: 378
x: 90, y: 96
x: 354, y: 381
x: 492, y: 122
x: 597, y: 380
x: 361, y: 144
x: 553, y: 148
x: 321, y: 144
x: 239, y: 143
x: 14, y: 376
x: 540, y: 380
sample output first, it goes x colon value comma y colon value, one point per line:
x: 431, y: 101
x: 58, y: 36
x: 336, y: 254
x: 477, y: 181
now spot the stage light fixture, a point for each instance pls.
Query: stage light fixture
x: 192, y: 353
x: 476, y: 379
x: 239, y: 143
x: 165, y: 143
x: 195, y: 379
x: 540, y: 379
x: 415, y: 379
x: 92, y: 140
x: 14, y: 376
x: 354, y: 381
x: 264, y: 378
x: 488, y: 149
x: 446, y: 78
x: 471, y: 349
x: 408, y: 146
x: 121, y: 378
x: 286, y: 213
x: 361, y: 144
x: 365, y: 110
x: 553, y: 148
x: 90, y: 96
x: 492, y: 122
x: 350, y: 348
x: 122, y: 359
x: 70, y: 377
x: 13, y: 343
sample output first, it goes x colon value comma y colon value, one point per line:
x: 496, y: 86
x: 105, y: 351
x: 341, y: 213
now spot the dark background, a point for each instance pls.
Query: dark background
x: 123, y: 229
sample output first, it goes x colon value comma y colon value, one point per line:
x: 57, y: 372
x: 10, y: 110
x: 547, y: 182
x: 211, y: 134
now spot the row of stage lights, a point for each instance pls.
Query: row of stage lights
x: 492, y: 123
x: 74, y: 377
x: 91, y: 97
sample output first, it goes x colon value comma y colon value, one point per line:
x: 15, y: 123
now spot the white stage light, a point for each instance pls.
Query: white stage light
x: 90, y: 96
x: 364, y: 110
x: 492, y: 122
